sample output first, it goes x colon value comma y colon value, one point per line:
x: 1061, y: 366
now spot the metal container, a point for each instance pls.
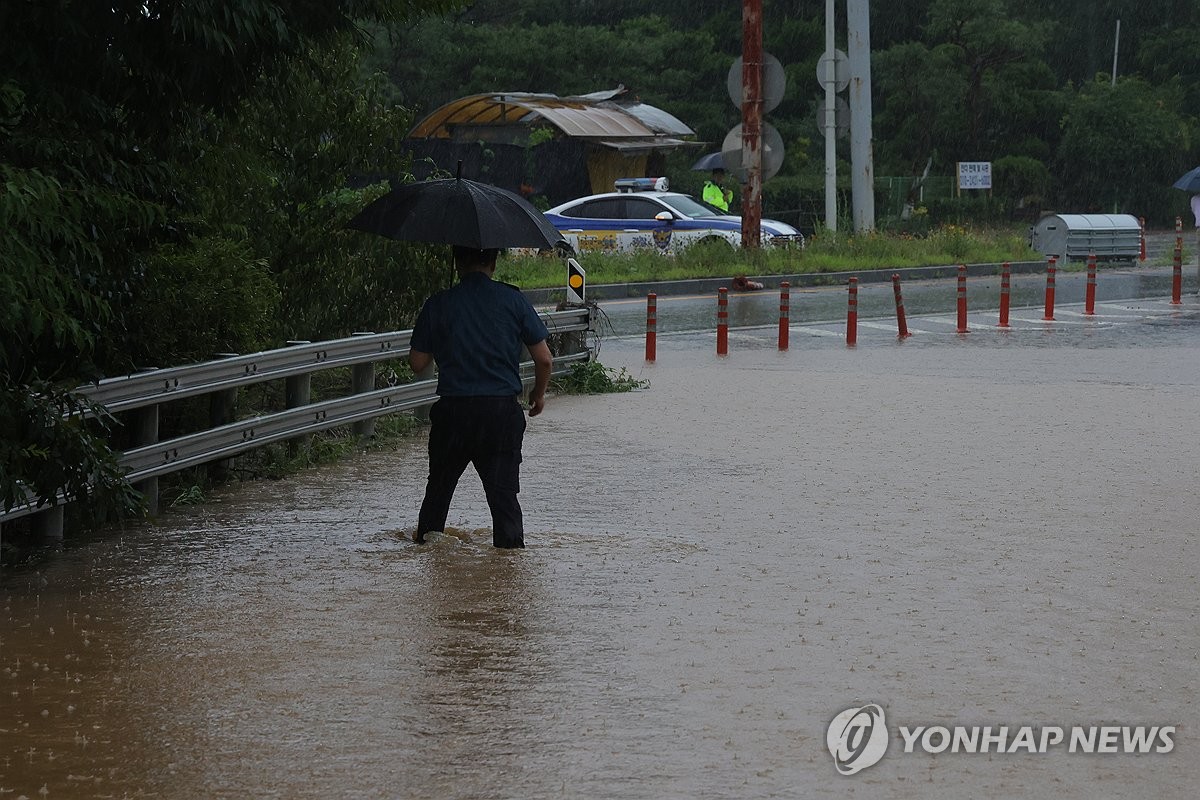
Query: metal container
x: 1073, y: 237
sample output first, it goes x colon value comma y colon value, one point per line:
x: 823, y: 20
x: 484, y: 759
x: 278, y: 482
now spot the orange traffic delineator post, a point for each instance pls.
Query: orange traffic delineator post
x: 651, y: 326
x: 722, y: 321
x: 962, y: 298
x: 1089, y: 304
x: 1142, y: 223
x: 901, y: 321
x: 1005, y: 291
x: 1177, y: 275
x: 785, y: 302
x: 852, y: 314
x: 1050, y: 270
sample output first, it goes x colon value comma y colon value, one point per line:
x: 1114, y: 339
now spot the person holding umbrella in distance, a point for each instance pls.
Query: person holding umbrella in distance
x: 715, y: 193
x: 474, y: 333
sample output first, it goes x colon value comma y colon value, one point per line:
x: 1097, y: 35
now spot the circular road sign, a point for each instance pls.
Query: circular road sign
x: 771, y: 146
x: 841, y: 69
x: 773, y: 82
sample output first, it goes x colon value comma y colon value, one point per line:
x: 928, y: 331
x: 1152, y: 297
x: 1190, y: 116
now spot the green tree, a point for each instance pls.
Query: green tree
x: 91, y: 99
x: 1118, y: 142
x: 982, y: 39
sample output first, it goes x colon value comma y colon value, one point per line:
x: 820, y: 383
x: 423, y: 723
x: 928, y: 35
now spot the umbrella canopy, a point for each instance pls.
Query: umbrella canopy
x: 457, y: 211
x: 710, y: 162
x: 1190, y: 181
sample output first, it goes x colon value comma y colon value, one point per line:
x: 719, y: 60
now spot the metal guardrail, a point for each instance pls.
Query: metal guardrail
x: 158, y: 385
x: 145, y: 391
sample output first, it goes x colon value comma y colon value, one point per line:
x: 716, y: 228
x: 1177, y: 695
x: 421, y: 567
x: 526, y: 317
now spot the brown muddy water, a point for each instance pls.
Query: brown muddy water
x: 980, y: 531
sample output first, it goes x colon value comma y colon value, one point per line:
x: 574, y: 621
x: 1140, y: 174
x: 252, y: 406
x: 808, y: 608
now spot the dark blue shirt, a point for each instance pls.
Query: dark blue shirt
x: 475, y: 331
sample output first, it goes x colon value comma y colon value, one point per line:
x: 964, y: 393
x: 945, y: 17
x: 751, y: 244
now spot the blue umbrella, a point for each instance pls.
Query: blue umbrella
x: 1190, y: 182
x: 710, y: 162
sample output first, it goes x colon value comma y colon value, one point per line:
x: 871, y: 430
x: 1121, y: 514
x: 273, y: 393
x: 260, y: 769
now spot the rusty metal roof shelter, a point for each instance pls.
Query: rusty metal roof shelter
x: 597, y: 138
x: 507, y: 116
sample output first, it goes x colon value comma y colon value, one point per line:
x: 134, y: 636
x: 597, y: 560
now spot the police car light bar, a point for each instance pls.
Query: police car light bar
x: 641, y: 184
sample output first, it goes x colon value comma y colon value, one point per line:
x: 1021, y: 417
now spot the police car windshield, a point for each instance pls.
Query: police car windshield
x: 691, y: 207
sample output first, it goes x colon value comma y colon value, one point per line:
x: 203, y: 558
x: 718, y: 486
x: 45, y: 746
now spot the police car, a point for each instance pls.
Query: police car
x: 644, y: 214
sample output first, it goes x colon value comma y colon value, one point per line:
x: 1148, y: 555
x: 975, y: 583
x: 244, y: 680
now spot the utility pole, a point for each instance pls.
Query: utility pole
x: 830, y: 122
x: 752, y: 62
x: 1116, y: 47
x: 858, y: 48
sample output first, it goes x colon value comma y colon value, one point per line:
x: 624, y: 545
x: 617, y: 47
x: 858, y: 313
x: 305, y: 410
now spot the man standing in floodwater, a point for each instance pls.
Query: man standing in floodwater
x: 474, y: 332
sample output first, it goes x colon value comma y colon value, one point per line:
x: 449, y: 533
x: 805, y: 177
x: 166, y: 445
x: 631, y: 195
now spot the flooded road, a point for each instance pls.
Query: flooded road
x: 976, y: 530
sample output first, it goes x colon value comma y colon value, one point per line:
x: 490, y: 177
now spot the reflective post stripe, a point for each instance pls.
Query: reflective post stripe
x: 1049, y: 315
x: 852, y: 314
x: 1177, y: 275
x: 785, y: 302
x: 1005, y: 291
x: 901, y: 322
x: 722, y: 321
x: 1089, y: 304
x: 1142, y: 223
x: 962, y: 298
x: 651, y: 326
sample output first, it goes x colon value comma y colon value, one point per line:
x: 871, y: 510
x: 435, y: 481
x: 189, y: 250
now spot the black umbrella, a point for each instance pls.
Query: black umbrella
x: 710, y: 162
x: 457, y: 211
x: 1190, y: 181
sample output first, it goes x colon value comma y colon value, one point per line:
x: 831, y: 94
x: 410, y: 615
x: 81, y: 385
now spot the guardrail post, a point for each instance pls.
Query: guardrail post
x: 222, y: 408
x: 298, y: 392
x: 362, y: 379
x: 47, y: 525
x: 143, y: 430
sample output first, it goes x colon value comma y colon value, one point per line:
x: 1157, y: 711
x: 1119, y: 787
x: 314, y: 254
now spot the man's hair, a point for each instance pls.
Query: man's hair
x: 468, y: 258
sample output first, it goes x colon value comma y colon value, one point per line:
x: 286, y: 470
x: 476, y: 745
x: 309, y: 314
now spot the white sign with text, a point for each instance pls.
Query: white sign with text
x: 974, y: 174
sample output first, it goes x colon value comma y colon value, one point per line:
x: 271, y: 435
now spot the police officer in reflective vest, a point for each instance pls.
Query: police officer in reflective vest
x: 714, y: 194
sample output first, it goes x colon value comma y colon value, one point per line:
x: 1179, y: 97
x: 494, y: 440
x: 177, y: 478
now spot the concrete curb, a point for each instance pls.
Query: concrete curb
x: 617, y: 291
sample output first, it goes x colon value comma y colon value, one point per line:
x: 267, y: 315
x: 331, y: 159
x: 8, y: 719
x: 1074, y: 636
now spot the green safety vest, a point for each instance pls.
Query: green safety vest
x: 714, y: 196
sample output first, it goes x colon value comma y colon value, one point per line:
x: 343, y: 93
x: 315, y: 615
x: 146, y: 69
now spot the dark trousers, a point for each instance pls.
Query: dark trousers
x: 486, y: 432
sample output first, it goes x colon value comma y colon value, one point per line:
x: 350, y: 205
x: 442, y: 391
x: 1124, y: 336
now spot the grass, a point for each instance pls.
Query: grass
x: 592, y: 377
x: 825, y: 252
